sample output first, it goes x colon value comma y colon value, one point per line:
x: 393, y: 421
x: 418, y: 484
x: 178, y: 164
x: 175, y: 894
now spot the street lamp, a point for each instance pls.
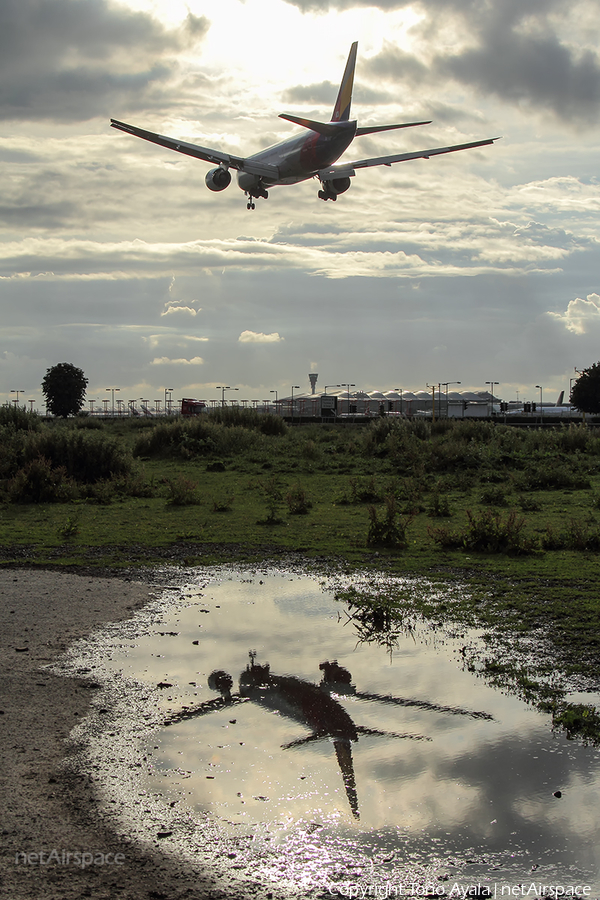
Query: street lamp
x: 112, y: 390
x: 401, y: 400
x: 491, y: 384
x: 297, y: 386
x: 16, y: 402
x: 168, y: 400
x: 347, y: 385
x: 541, y: 390
x: 432, y: 386
x: 446, y: 384
x: 223, y: 389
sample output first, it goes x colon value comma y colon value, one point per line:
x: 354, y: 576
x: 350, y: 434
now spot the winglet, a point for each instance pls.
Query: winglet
x: 341, y: 110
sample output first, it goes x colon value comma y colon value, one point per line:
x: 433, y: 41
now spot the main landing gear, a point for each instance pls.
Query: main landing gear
x: 326, y: 193
x: 257, y: 192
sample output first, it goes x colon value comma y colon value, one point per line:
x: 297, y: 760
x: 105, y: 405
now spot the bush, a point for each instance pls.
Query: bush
x: 440, y: 506
x: 298, y: 500
x: 550, y: 475
x: 87, y: 457
x: 223, y: 504
x: 486, y: 532
x: 19, y: 418
x: 493, y: 495
x: 391, y: 530
x: 575, y: 536
x: 237, y: 416
x: 40, y: 482
x: 181, y: 491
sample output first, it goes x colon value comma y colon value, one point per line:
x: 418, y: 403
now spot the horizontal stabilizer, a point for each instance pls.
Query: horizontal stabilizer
x: 320, y: 127
x: 375, y: 128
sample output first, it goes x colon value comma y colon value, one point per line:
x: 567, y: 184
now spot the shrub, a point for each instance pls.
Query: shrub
x: 389, y: 531
x: 298, y: 500
x: 19, y: 418
x: 547, y: 475
x: 181, y: 491
x: 575, y: 536
x: 223, y: 504
x: 530, y: 504
x: 493, y: 495
x: 237, y: 416
x: 364, y: 490
x: 440, y: 506
x: 39, y: 482
x: 272, y: 491
x: 87, y: 457
x: 486, y: 532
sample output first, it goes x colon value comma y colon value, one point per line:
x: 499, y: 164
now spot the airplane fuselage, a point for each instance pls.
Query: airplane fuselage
x: 300, y: 157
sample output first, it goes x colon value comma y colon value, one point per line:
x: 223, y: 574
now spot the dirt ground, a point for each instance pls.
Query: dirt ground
x: 42, y: 808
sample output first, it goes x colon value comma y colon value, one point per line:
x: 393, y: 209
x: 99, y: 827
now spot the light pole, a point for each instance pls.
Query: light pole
x: 432, y: 386
x: 401, y: 400
x: 446, y: 385
x: 16, y: 402
x: 223, y: 389
x: 347, y: 385
x: 168, y: 400
x: 297, y: 386
x: 491, y: 384
x: 541, y: 390
x: 112, y: 390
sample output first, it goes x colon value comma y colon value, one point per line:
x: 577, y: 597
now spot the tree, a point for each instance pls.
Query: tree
x: 64, y: 389
x: 585, y: 395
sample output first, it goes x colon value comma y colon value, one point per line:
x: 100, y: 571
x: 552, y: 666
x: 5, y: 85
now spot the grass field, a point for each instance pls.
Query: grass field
x: 511, y: 514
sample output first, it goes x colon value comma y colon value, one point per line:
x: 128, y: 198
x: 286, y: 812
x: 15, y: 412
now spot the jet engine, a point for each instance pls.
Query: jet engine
x: 332, y: 187
x: 339, y: 185
x: 218, y: 179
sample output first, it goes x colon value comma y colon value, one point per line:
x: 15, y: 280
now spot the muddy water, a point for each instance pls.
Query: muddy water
x: 339, y: 762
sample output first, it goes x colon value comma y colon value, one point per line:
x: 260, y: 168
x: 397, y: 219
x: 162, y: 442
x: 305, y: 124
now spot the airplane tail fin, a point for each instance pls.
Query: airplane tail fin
x: 341, y: 110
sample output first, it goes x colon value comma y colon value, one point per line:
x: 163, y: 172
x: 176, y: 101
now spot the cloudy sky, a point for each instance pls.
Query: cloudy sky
x: 477, y: 266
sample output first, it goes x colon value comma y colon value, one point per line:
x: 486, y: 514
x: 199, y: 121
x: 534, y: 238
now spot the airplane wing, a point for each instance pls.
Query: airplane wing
x: 347, y: 170
x: 263, y: 170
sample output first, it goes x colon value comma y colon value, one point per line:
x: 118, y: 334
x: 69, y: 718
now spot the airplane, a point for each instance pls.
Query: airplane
x: 314, y: 706
x: 301, y: 156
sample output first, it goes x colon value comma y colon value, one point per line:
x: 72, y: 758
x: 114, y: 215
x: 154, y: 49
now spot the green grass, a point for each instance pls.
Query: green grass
x: 514, y: 515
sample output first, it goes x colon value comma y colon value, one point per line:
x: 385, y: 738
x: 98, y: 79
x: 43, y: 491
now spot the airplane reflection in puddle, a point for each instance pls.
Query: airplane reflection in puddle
x: 314, y: 705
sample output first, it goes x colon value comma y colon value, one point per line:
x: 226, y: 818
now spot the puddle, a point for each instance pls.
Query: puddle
x: 324, y: 762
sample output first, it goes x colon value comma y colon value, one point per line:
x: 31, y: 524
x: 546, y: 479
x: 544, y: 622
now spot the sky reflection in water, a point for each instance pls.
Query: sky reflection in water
x: 470, y: 786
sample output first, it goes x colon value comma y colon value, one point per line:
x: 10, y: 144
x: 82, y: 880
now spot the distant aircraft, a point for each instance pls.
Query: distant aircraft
x: 302, y: 156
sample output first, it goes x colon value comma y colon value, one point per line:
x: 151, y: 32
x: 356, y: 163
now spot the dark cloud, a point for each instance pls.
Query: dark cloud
x: 517, y: 51
x: 76, y: 59
x: 537, y: 70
